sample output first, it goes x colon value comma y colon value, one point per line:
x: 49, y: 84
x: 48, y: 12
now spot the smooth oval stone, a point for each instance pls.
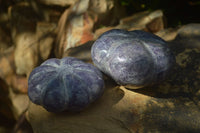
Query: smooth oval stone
x: 132, y: 58
x: 65, y: 84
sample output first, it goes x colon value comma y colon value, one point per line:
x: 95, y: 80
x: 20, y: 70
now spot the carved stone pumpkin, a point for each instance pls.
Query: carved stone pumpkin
x: 132, y: 58
x: 65, y: 84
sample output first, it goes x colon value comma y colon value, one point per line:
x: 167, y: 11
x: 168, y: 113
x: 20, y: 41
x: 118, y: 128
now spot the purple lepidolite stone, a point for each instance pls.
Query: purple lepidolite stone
x: 65, y: 84
x: 132, y: 58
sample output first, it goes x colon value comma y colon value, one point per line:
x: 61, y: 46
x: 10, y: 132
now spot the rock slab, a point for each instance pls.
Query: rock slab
x: 171, y: 106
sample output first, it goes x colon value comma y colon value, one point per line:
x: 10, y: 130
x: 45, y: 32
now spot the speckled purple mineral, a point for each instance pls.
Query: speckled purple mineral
x: 132, y: 58
x: 65, y: 84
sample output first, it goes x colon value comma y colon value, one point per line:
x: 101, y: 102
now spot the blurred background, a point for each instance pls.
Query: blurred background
x: 177, y: 12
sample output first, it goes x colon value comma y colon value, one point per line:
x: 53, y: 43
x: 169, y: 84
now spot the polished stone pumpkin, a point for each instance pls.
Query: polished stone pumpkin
x: 132, y: 58
x: 65, y: 84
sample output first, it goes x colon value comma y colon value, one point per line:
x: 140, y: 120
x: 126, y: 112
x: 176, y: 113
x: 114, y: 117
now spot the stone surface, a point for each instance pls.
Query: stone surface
x: 82, y: 52
x: 57, y: 2
x: 148, y: 21
x: 33, y: 39
x: 47, y: 11
x: 100, y: 31
x: 143, y: 20
x: 23, y: 24
x: 19, y: 103
x: 101, y: 6
x: 5, y: 40
x: 171, y: 106
x: 167, y: 34
x: 156, y: 24
x: 5, y: 102
x: 189, y: 35
x: 7, y: 72
x: 74, y: 28
x: 45, y: 36
x: 25, y: 56
x: 77, y: 23
x: 12, y: 89
x: 19, y: 84
x: 7, y: 67
x: 105, y: 9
